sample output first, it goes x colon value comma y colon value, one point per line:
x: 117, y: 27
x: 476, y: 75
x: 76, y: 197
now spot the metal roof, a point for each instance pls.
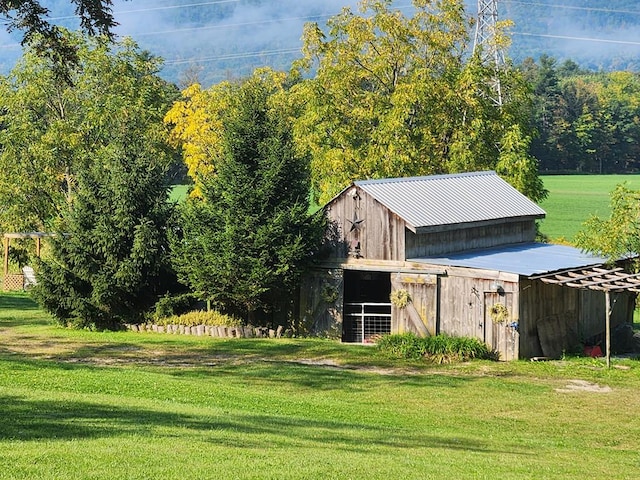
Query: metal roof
x: 450, y: 199
x: 523, y: 258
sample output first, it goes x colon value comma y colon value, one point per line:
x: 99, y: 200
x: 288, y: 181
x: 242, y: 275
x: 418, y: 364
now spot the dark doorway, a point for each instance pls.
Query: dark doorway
x: 367, y: 309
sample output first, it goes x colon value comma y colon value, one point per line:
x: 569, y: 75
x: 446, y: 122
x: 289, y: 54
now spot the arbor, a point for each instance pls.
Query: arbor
x: 399, y: 96
x: 49, y: 128
x: 245, y: 240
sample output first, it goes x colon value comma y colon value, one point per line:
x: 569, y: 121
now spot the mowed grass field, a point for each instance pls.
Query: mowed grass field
x: 123, y: 405
x: 574, y: 198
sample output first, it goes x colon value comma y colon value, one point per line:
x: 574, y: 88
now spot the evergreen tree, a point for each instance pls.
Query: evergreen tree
x: 110, y: 262
x: 247, y: 237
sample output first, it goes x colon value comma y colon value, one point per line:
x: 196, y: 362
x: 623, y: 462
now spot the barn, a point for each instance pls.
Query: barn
x: 456, y: 254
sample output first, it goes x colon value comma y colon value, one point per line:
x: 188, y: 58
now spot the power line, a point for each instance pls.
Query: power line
x: 229, y: 25
x: 233, y: 56
x: 583, y: 39
x: 151, y: 9
x: 571, y: 7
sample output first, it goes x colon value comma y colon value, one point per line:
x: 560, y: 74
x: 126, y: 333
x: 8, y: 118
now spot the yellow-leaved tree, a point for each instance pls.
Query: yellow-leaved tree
x: 197, y: 126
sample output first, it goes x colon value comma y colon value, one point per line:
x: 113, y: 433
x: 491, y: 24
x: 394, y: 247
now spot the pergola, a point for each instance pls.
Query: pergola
x: 596, y: 278
x: 7, y: 237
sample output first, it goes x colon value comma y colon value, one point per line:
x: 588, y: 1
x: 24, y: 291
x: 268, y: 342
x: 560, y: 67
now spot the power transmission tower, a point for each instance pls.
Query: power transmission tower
x: 485, y: 42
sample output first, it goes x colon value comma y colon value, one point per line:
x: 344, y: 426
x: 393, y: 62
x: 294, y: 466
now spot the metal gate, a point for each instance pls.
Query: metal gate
x: 363, y: 322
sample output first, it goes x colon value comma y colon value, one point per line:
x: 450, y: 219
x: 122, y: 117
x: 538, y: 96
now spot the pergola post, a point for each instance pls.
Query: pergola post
x: 6, y: 256
x: 608, y: 327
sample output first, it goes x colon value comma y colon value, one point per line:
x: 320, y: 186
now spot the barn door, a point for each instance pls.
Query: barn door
x: 500, y: 324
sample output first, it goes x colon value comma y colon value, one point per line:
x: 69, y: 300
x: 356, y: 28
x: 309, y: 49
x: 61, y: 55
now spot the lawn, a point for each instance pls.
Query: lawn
x: 573, y: 198
x: 123, y: 405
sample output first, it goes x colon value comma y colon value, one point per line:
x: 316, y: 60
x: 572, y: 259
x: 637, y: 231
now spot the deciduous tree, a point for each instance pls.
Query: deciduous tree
x: 48, y: 128
x: 398, y: 96
x: 619, y: 235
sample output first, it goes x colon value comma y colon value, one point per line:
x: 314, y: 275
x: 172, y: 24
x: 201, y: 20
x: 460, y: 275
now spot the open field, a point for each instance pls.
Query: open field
x: 122, y: 405
x: 573, y: 198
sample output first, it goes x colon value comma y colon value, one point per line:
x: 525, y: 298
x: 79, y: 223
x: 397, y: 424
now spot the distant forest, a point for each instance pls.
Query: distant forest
x: 585, y: 122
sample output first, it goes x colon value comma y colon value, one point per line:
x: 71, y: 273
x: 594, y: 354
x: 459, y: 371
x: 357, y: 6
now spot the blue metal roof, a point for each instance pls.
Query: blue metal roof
x: 523, y: 259
x: 451, y: 199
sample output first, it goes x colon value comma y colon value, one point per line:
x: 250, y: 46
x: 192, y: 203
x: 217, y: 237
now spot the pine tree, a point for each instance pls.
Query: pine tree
x: 110, y: 262
x: 246, y: 240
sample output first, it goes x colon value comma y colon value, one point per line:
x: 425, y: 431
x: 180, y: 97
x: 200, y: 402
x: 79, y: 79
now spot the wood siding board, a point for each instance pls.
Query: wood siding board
x: 380, y: 232
x: 428, y: 243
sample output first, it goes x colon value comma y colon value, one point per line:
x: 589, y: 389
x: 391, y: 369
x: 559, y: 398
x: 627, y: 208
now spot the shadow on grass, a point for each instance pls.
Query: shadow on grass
x: 17, y: 301
x: 31, y: 420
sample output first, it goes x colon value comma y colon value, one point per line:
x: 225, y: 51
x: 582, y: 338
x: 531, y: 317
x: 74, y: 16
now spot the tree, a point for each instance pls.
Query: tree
x: 48, y: 128
x: 245, y: 240
x: 619, y: 235
x: 110, y: 260
x: 399, y: 96
x: 30, y: 16
x: 96, y: 153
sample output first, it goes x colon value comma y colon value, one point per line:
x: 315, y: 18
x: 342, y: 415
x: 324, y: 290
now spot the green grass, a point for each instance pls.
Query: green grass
x: 178, y: 193
x: 123, y: 405
x: 573, y: 198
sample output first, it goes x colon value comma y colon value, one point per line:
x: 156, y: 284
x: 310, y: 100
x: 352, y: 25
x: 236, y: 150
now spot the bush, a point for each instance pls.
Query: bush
x: 211, y: 318
x: 437, y: 349
x: 171, y: 305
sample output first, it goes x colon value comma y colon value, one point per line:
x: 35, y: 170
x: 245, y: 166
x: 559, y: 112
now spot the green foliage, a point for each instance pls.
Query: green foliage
x: 619, y: 235
x: 587, y: 122
x: 169, y: 305
x: 210, y: 318
x: 110, y: 260
x: 50, y: 129
x: 437, y: 349
x: 398, y: 96
x: 244, y: 243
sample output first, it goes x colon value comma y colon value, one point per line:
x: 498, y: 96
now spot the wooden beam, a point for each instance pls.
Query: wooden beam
x: 607, y: 296
x: 6, y: 256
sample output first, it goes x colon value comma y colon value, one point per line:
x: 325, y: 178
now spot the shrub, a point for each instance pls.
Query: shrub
x: 200, y: 317
x: 171, y: 305
x: 437, y: 349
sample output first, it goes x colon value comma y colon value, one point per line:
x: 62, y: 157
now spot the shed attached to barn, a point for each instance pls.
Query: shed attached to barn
x: 452, y: 254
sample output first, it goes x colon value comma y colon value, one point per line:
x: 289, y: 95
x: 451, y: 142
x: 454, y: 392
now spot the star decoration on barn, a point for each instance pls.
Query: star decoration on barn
x: 356, y: 223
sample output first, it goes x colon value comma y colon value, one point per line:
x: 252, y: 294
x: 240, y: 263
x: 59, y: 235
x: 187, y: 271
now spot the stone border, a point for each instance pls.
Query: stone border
x: 218, y: 331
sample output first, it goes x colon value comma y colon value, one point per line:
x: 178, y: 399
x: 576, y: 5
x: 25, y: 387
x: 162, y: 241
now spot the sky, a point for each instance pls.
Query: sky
x: 191, y: 37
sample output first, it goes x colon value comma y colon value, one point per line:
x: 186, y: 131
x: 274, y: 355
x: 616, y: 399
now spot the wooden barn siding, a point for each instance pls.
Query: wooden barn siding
x: 471, y: 238
x: 569, y: 315
x: 321, y: 301
x: 465, y: 300
x: 382, y: 232
x: 420, y: 316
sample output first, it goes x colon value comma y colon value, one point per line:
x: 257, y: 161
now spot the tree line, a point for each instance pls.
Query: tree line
x: 377, y: 94
x: 586, y: 122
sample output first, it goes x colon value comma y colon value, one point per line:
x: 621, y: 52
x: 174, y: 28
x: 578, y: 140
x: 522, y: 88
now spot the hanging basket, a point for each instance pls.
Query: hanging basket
x: 499, y: 313
x: 400, y: 298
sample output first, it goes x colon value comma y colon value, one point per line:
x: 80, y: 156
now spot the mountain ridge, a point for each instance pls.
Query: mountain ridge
x: 223, y: 39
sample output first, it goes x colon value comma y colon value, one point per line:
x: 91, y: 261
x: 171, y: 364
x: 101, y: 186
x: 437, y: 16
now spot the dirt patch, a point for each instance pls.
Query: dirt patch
x: 583, y: 386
